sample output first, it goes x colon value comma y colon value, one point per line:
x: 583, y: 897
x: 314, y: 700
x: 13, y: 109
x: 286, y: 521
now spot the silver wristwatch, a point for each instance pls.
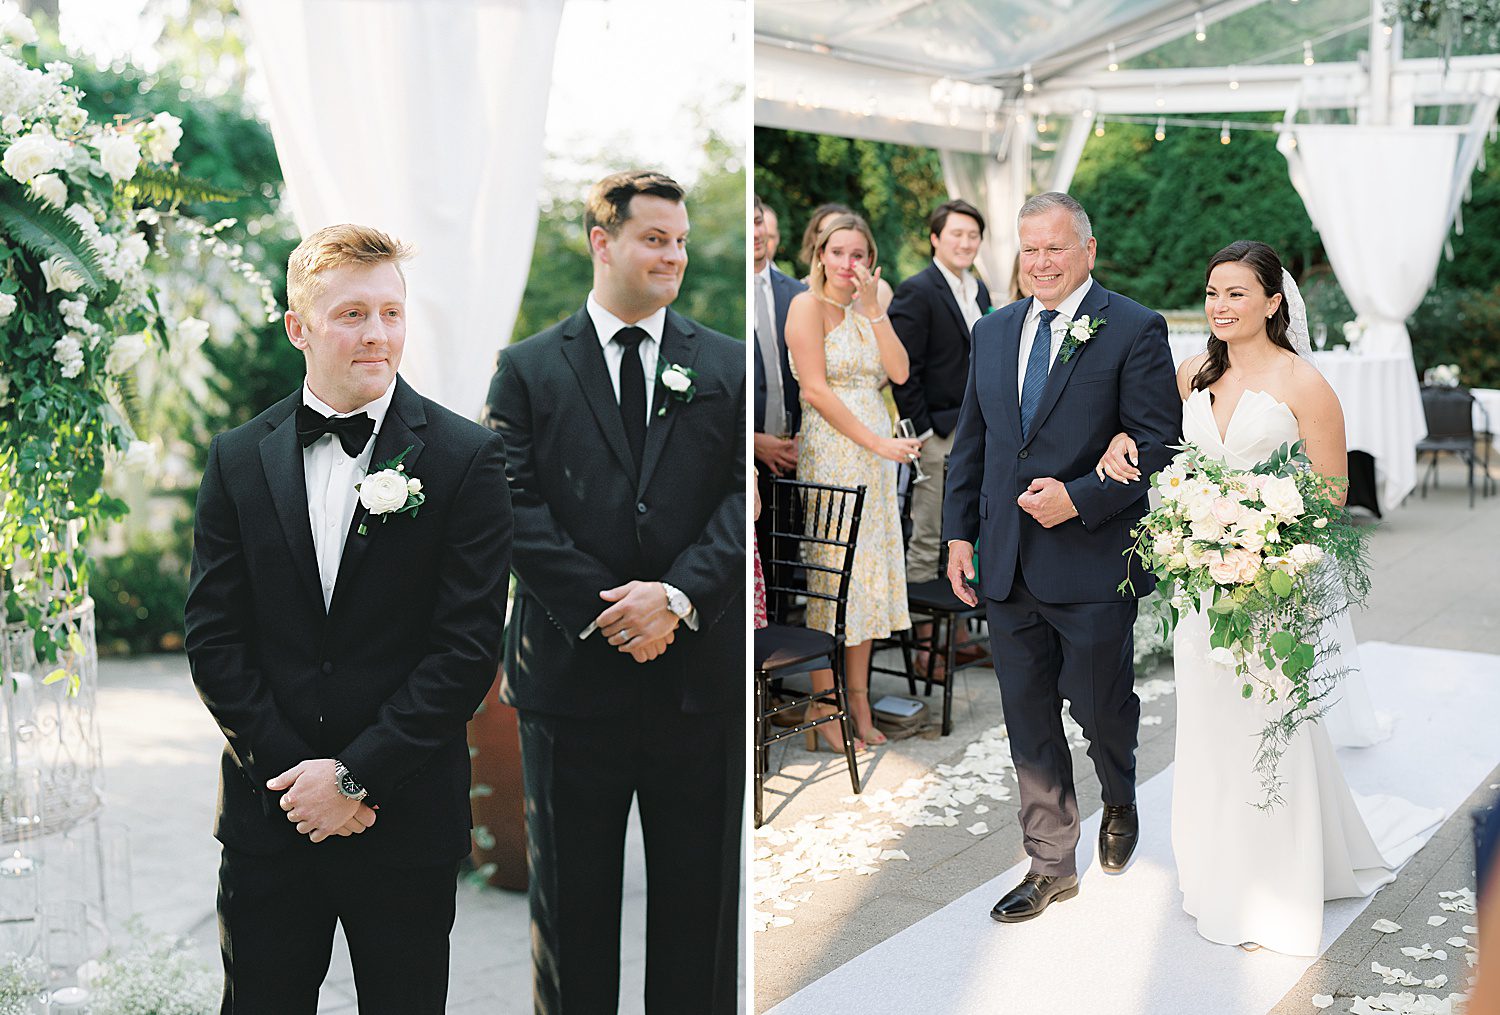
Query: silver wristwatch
x: 349, y: 789
x: 677, y: 602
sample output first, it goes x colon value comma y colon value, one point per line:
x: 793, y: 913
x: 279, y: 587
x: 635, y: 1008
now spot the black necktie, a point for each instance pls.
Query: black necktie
x: 353, y: 432
x: 633, y: 391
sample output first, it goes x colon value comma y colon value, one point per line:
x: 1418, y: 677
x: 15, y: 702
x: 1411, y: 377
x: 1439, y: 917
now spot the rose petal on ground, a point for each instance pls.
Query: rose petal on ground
x: 1322, y: 1000
x: 1436, y: 921
x: 1457, y: 942
x: 978, y: 828
x: 1385, y: 926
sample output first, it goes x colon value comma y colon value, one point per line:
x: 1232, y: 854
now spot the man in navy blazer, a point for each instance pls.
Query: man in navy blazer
x: 1051, y: 380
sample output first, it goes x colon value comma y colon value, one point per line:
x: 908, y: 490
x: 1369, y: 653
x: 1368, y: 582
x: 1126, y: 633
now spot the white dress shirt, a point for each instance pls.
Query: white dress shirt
x: 607, y: 325
x: 1066, y: 311
x: 965, y: 290
x: 330, y: 476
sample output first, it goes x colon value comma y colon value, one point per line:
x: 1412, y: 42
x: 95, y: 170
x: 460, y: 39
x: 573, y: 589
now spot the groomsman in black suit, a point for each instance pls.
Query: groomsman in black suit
x: 626, y: 652
x: 778, y: 409
x: 342, y: 640
x: 933, y: 313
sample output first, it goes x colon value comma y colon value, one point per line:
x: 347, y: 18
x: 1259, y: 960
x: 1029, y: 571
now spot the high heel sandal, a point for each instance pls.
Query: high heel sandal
x: 874, y: 737
x: 829, y: 734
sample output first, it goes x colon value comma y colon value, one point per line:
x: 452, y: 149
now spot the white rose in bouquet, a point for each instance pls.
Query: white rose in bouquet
x: 1280, y: 497
x: 1227, y: 511
x: 11, y: 123
x: 119, y: 154
x: 1208, y: 530
x: 30, y: 156
x: 1166, y: 544
x: 383, y: 492
x: 163, y: 133
x: 1304, y: 556
x: 1250, y: 539
x: 7, y: 306
x: 51, y: 189
x: 19, y: 27
x: 125, y: 353
x: 58, y: 274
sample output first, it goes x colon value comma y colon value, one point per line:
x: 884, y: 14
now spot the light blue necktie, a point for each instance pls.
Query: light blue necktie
x: 1036, y: 371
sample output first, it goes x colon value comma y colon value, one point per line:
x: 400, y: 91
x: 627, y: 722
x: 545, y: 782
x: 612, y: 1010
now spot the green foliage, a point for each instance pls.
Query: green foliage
x: 46, y: 232
x: 895, y: 188
x: 139, y: 597
x: 1459, y: 326
x: 1162, y: 208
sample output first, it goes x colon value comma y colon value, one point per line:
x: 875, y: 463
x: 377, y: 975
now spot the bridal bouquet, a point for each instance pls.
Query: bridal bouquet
x: 1271, y: 557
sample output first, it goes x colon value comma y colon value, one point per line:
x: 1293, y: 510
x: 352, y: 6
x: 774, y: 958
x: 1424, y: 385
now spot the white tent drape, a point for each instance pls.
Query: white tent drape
x: 1381, y: 198
x: 423, y: 118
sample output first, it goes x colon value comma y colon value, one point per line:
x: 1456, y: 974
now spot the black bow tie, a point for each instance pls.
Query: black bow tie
x: 353, y: 432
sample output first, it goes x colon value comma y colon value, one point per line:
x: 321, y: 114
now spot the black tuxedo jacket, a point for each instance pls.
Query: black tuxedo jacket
x: 386, y: 679
x: 927, y: 319
x: 783, y: 288
x: 1121, y: 380
x: 585, y: 521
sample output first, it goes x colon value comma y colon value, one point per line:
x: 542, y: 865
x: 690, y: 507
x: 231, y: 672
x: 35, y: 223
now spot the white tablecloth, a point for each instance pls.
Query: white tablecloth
x: 1382, y: 404
x: 1489, y: 400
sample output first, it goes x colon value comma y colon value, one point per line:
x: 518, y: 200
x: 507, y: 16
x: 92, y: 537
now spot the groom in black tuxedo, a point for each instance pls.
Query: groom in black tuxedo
x: 342, y: 641
x: 626, y: 652
x: 1051, y: 380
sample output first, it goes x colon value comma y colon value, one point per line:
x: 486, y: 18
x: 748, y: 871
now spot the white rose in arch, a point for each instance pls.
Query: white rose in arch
x: 675, y: 380
x: 1222, y: 656
x: 59, y: 274
x: 7, y: 306
x: 31, y: 156
x: 383, y: 492
x: 51, y: 189
x: 165, y: 131
x: 191, y: 332
x: 119, y: 154
x: 140, y: 455
x: 126, y: 353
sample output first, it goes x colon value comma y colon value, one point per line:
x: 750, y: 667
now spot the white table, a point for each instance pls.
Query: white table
x: 1382, y: 404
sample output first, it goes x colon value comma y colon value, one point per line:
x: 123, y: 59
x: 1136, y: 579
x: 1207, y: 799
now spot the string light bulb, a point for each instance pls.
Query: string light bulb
x: 1041, y: 123
x: 1224, y: 133
x: 1161, y: 129
x: 1028, y: 84
x: 1114, y: 64
x: 1307, y: 53
x: 1200, y: 31
x: 1234, y: 78
x: 1099, y: 128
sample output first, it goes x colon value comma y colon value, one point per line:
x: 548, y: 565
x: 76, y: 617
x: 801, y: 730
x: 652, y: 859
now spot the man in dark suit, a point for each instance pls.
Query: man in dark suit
x: 778, y: 407
x: 1051, y: 380
x: 626, y: 651
x: 342, y: 640
x: 933, y: 313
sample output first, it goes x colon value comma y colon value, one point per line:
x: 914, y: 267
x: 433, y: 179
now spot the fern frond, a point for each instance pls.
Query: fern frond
x: 152, y: 185
x: 47, y: 232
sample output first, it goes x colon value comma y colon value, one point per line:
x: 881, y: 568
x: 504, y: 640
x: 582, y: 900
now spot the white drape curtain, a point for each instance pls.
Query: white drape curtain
x: 423, y: 118
x: 997, y: 189
x: 1382, y: 199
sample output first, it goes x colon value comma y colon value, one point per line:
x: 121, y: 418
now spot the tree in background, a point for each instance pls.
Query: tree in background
x: 893, y: 186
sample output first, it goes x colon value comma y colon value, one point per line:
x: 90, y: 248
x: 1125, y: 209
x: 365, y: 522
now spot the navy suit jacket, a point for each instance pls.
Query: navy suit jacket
x: 930, y: 324
x: 1122, y: 379
x: 783, y: 288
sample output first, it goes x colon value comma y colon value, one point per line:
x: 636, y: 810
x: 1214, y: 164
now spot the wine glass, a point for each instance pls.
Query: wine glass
x: 906, y: 428
x: 1320, y: 335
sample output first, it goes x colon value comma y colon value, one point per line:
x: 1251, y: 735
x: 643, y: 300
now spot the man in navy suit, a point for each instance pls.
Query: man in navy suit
x: 778, y: 412
x: 933, y: 313
x: 1051, y: 380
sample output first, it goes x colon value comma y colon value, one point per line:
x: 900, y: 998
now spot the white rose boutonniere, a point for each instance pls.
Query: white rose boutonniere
x: 678, y: 380
x: 386, y: 490
x: 1079, y: 332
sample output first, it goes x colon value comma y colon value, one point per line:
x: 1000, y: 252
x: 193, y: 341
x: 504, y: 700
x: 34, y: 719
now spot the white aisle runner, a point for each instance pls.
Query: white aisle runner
x: 1123, y: 946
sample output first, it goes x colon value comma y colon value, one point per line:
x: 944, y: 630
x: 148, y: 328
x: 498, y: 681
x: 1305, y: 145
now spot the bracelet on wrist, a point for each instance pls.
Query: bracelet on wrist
x: 877, y: 320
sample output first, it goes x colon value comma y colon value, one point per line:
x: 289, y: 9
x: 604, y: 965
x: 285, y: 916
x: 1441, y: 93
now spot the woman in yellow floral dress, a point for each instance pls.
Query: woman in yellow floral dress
x: 843, y: 350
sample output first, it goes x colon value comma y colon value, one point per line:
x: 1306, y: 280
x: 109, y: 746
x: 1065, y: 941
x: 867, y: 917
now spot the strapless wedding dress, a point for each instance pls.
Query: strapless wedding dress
x: 1252, y: 875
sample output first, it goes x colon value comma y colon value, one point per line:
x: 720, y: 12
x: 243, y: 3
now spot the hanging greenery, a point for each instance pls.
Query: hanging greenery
x: 1451, y: 22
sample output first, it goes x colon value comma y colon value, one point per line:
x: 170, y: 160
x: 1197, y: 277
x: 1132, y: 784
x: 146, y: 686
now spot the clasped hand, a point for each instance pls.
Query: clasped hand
x: 639, y: 622
x: 1048, y: 502
x: 313, y: 803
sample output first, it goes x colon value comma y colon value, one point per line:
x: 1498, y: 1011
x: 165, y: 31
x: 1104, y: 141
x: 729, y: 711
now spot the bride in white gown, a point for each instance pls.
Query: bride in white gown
x: 1250, y: 875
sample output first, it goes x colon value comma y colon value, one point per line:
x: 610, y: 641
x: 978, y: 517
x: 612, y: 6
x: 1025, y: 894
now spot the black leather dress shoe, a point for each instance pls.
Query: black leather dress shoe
x: 1035, y: 893
x: 1118, y: 831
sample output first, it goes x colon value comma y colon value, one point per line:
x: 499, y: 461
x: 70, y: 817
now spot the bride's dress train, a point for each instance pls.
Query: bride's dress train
x: 1252, y: 875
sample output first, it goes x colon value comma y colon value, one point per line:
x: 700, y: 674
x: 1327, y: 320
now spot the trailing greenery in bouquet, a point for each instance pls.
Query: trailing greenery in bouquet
x: 1271, y: 557
x: 83, y: 207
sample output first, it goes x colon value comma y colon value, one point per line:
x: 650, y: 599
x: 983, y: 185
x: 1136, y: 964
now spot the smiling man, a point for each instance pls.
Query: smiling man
x: 933, y: 313
x: 342, y: 646
x: 625, y: 656
x: 1051, y: 380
